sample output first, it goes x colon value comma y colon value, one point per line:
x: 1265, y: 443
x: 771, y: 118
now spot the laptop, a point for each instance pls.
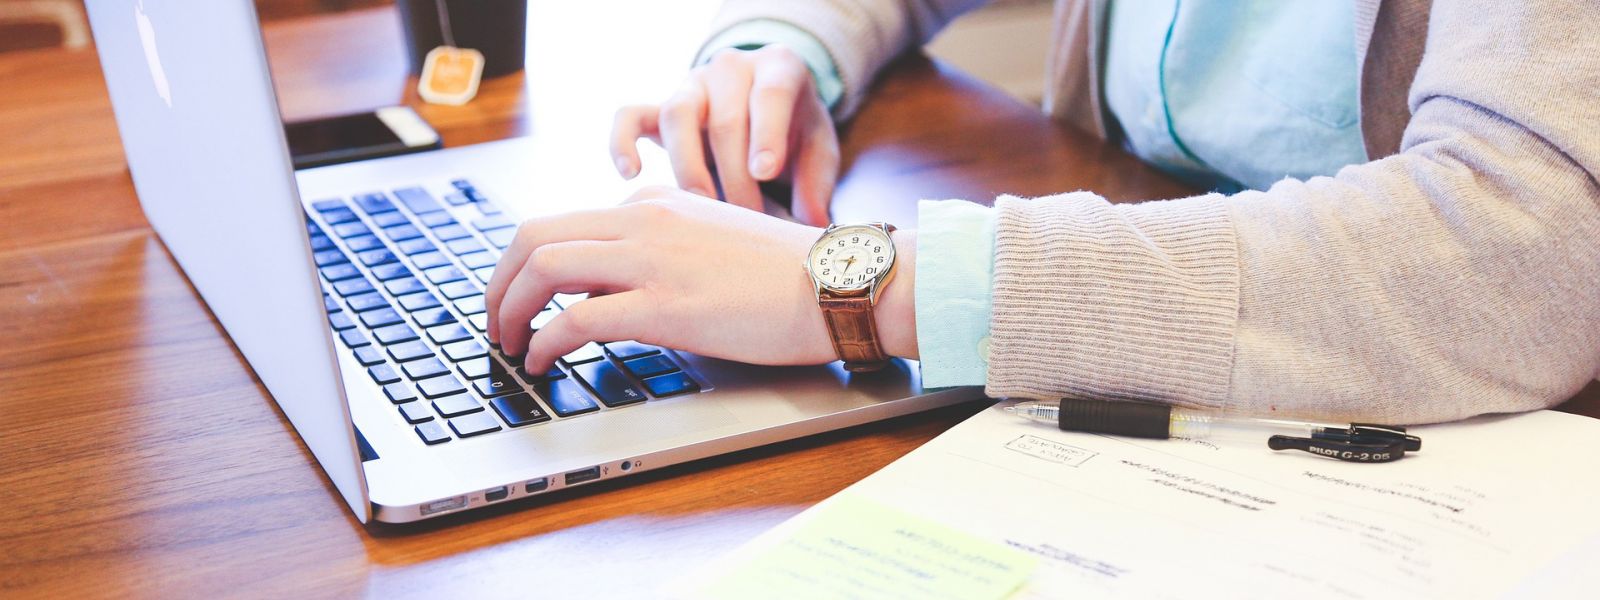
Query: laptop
x: 355, y: 293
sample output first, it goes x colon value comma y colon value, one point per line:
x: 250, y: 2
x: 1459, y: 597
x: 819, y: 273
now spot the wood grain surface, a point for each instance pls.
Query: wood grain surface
x: 139, y: 457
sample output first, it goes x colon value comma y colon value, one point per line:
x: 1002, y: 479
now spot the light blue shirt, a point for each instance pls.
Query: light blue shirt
x: 1223, y: 94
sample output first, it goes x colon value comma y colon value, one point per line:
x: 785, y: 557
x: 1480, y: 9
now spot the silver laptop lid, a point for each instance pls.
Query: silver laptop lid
x: 199, y: 121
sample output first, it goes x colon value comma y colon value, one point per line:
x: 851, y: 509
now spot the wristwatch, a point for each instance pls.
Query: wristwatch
x: 848, y: 266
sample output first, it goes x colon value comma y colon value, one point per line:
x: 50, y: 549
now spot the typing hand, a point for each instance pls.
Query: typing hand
x: 668, y: 268
x: 759, y: 114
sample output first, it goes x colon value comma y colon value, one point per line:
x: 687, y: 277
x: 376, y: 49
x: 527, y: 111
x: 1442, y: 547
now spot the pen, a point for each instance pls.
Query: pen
x: 1356, y: 442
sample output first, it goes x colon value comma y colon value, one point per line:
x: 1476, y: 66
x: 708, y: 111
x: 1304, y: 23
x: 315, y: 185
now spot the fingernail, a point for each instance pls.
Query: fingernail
x: 763, y: 164
x: 625, y: 167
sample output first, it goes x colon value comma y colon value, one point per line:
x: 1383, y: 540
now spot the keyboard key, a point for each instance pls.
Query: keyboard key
x: 445, y: 334
x: 630, y: 349
x: 411, y: 350
x: 501, y: 237
x: 472, y: 193
x: 568, y: 300
x: 389, y: 219
x: 366, y: 302
x: 543, y: 318
x: 423, y: 369
x: 416, y: 246
x: 328, y: 302
x: 456, y: 198
x: 368, y: 356
x: 608, y: 383
x: 419, y: 301
x: 673, y: 384
x: 461, y: 184
x: 429, y: 260
x: 415, y: 412
x: 464, y: 350
x: 477, y: 367
x: 328, y: 257
x: 433, y: 317
x: 382, y: 317
x: 463, y: 246
x: 391, y: 272
x: 373, y: 258
x: 565, y: 396
x: 470, y: 305
x: 339, y: 216
x: 530, y: 379
x: 340, y: 272
x: 519, y: 410
x: 394, y: 334
x: 399, y: 393
x: 401, y: 233
x: 451, y: 406
x: 350, y: 230
x: 587, y: 353
x: 374, y: 203
x: 442, y: 275
x: 452, y: 231
x: 437, y: 219
x: 417, y: 199
x: 474, y: 424
x: 350, y: 287
x: 484, y: 274
x: 340, y: 321
x: 383, y: 374
x: 402, y: 287
x: 478, y: 260
x: 492, y: 222
x: 484, y: 205
x: 321, y: 242
x: 431, y: 433
x: 364, y: 243
x: 354, y: 338
x: 498, y: 383
x: 439, y: 387
x: 650, y: 366
x: 479, y: 322
x: 327, y: 205
x: 458, y: 289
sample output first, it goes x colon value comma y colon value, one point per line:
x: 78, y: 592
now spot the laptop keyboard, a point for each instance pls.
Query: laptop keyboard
x: 403, y: 282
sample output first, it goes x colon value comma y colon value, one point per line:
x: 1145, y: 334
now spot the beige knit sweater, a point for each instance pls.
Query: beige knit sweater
x: 1456, y: 276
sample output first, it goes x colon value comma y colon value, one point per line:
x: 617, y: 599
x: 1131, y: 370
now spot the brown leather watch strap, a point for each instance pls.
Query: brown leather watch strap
x: 854, y: 331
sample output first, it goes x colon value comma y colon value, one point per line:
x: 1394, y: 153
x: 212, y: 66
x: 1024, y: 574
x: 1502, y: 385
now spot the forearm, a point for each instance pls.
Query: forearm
x: 861, y: 36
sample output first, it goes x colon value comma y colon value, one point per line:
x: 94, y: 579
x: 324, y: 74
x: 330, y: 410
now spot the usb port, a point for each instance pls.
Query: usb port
x: 582, y: 475
x: 447, y: 504
x: 497, y: 494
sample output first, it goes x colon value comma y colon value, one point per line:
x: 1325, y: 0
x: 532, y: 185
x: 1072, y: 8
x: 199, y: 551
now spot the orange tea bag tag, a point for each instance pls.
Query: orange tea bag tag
x: 450, y: 75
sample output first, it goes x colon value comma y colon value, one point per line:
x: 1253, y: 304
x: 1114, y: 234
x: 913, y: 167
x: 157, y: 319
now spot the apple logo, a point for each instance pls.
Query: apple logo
x: 147, y: 35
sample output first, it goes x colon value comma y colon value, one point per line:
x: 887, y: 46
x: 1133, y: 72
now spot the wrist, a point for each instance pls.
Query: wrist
x: 895, y: 310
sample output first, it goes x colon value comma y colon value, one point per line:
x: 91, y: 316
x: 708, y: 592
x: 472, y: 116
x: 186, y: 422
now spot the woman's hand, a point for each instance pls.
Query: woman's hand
x: 677, y: 270
x: 759, y: 114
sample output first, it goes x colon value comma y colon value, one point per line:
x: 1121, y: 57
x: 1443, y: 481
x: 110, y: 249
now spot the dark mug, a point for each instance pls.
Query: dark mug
x: 497, y: 28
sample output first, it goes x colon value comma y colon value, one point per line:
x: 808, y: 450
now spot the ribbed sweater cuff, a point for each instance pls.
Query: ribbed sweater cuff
x: 1131, y: 302
x: 844, y: 36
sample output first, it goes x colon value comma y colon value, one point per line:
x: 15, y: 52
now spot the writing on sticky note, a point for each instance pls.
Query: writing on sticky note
x: 851, y: 547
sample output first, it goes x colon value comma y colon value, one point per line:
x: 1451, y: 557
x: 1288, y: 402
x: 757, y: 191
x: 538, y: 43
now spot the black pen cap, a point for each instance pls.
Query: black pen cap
x: 1133, y: 419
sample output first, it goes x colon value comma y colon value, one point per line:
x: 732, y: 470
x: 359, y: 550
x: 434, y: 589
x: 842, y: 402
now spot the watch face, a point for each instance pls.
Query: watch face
x: 850, y: 258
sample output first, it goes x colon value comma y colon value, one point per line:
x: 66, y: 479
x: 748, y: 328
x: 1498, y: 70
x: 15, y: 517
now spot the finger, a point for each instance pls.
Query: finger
x: 773, y: 95
x: 564, y: 268
x: 622, y: 316
x: 603, y: 224
x: 728, y: 131
x: 630, y: 124
x: 681, y: 122
x: 816, y: 173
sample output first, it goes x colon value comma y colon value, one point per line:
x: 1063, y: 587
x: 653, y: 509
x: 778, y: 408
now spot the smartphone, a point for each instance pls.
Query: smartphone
x: 383, y: 132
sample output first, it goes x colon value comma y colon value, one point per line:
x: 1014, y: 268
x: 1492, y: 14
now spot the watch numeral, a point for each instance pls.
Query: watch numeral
x: 825, y: 271
x: 880, y: 260
x: 871, y: 270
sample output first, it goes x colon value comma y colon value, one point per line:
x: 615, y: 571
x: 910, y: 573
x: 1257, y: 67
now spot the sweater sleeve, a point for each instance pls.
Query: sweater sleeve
x: 860, y: 35
x: 1458, y: 277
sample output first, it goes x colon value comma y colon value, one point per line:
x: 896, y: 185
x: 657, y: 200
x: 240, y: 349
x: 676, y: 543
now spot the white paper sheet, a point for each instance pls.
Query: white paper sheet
x: 1486, y: 504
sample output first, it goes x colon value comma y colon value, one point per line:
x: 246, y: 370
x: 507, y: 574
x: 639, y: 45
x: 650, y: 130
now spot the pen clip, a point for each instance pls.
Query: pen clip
x: 1347, y: 451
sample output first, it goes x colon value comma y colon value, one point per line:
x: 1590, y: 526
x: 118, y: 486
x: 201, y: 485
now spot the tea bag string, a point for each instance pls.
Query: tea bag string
x: 444, y: 24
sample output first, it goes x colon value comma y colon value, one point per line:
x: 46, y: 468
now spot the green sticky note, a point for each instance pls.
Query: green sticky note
x: 856, y: 548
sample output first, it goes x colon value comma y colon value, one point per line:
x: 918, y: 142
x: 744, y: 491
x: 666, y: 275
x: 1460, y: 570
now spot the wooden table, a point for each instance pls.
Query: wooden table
x: 139, y: 456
